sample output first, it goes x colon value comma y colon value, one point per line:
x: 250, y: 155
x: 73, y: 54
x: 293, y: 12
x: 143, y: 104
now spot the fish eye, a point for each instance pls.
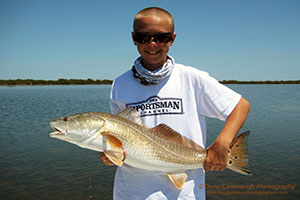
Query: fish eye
x: 65, y: 119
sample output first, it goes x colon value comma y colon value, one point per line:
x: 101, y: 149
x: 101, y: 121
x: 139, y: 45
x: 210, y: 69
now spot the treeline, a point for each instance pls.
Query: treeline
x: 89, y: 81
x: 54, y: 82
x: 260, y: 82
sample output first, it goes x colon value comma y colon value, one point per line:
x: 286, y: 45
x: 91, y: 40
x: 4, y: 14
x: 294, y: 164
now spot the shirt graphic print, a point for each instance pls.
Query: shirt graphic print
x: 156, y: 105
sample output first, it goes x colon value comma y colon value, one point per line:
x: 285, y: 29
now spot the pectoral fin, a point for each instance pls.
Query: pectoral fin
x: 178, y: 179
x: 112, y: 140
x: 115, y: 152
x: 116, y: 155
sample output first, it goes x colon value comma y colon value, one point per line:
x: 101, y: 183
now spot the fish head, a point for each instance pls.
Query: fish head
x: 77, y: 128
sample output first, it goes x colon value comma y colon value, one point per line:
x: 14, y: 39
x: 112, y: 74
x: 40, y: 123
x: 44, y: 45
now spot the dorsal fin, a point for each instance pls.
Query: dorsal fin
x: 170, y: 134
x: 131, y: 114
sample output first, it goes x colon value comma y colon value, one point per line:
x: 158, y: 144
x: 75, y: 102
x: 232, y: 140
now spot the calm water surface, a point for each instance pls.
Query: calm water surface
x: 34, y: 166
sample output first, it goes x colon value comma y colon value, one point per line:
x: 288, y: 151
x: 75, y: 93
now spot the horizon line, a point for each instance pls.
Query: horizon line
x: 89, y: 81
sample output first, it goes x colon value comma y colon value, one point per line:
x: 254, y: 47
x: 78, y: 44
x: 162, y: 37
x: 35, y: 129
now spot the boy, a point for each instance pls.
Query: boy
x: 179, y: 96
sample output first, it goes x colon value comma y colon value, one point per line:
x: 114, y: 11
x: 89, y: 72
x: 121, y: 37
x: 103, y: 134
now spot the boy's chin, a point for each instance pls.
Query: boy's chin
x: 152, y: 65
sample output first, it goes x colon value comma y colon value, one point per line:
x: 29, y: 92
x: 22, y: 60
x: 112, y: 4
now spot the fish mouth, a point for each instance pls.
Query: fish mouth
x: 57, y: 132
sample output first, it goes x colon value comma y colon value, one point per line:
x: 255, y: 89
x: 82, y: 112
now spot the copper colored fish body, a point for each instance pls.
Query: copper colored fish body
x: 159, y: 148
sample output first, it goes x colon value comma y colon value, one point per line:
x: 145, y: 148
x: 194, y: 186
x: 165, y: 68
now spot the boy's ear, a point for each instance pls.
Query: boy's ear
x: 174, y: 36
x: 132, y: 36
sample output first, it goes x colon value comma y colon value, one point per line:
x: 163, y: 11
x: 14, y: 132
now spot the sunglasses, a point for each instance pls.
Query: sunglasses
x: 143, y: 38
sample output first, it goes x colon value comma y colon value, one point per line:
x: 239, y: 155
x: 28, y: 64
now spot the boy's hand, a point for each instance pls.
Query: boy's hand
x: 217, y: 156
x: 105, y: 160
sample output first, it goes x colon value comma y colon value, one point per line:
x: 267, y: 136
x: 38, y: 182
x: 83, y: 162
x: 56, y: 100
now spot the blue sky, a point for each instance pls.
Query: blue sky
x: 232, y: 39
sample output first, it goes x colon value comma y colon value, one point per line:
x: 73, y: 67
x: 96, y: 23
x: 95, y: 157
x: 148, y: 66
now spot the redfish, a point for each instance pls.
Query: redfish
x: 125, y: 139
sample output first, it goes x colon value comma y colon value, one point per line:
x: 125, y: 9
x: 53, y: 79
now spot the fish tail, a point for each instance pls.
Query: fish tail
x: 238, y: 155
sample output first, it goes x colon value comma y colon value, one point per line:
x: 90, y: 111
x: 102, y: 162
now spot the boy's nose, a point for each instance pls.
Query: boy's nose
x: 152, y: 41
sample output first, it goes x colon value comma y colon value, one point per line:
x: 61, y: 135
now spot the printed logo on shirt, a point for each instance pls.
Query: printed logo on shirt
x: 158, y: 106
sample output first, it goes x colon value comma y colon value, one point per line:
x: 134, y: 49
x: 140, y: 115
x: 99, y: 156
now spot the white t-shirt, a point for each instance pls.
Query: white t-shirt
x: 182, y: 101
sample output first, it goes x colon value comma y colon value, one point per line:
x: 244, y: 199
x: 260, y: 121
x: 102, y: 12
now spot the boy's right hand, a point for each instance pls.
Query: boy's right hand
x: 105, y: 160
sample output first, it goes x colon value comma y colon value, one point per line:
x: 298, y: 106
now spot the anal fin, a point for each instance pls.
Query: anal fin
x: 178, y: 179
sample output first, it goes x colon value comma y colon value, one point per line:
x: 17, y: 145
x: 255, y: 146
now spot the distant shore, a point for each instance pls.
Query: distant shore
x: 25, y: 82
x: 260, y: 82
x: 20, y: 82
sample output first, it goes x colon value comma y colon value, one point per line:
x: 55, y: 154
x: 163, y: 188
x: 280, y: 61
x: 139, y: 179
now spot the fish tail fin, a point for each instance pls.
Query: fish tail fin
x: 238, y: 155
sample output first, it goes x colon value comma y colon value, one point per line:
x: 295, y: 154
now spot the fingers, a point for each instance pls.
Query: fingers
x: 105, y: 160
x: 206, y: 165
x: 216, y: 159
x: 211, y: 167
x: 213, y: 164
x: 218, y: 168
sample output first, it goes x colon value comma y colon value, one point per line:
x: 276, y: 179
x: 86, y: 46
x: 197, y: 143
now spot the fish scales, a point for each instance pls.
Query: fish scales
x: 153, y: 148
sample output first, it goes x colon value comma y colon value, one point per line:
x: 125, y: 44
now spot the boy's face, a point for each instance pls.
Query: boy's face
x: 154, y: 53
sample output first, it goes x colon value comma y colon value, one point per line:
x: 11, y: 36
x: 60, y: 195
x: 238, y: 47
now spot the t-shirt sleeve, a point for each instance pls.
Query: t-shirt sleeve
x: 116, y: 105
x: 217, y: 100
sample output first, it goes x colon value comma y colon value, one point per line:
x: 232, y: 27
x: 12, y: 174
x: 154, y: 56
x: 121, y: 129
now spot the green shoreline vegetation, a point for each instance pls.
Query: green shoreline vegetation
x: 21, y: 82
x: 261, y: 82
x: 60, y: 81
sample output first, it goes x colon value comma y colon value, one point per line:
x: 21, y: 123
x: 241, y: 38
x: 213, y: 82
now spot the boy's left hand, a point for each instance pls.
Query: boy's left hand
x: 217, y: 156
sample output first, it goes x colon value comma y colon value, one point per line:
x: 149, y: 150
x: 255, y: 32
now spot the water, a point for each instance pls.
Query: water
x: 34, y: 166
x: 273, y: 144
